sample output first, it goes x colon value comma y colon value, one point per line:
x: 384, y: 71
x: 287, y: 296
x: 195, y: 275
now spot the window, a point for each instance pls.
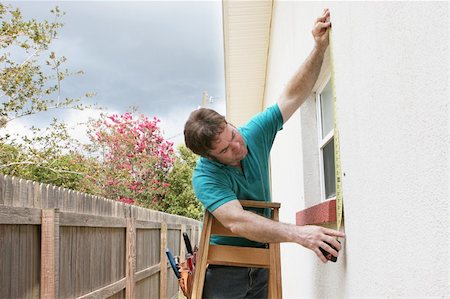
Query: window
x: 325, y: 116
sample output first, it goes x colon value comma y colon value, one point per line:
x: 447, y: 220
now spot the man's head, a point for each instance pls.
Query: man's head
x: 209, y: 135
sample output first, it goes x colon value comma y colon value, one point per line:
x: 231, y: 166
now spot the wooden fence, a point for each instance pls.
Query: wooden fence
x: 59, y: 243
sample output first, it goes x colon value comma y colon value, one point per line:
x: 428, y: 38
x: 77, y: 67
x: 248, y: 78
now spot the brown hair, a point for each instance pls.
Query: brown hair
x: 201, y: 129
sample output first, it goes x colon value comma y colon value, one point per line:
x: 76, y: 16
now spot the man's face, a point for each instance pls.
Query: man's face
x: 229, y: 148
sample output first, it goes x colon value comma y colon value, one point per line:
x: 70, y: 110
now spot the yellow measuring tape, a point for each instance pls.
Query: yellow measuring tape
x: 337, y: 153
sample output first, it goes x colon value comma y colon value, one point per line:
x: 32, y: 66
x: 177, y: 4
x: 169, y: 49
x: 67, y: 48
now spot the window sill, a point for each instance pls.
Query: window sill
x: 321, y: 214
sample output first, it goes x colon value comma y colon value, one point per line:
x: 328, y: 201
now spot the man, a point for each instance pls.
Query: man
x: 234, y: 165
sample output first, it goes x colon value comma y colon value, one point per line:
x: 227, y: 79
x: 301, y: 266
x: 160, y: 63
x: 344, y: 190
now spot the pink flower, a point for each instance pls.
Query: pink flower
x: 111, y: 182
x: 126, y: 200
x: 112, y: 117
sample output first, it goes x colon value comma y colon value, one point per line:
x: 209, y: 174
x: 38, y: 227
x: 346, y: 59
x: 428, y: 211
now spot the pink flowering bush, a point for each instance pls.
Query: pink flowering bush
x: 134, y: 157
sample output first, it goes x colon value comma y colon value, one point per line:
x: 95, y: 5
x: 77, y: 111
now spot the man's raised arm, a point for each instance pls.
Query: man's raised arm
x: 300, y: 86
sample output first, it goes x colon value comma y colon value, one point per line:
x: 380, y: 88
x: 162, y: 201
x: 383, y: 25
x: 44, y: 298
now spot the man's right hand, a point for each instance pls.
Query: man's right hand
x: 314, y: 237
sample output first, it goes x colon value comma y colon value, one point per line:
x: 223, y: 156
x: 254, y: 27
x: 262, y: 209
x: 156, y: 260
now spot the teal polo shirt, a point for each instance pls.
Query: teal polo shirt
x: 216, y: 184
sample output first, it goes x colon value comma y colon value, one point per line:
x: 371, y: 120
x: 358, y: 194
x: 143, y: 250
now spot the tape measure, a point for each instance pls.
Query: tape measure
x: 337, y: 153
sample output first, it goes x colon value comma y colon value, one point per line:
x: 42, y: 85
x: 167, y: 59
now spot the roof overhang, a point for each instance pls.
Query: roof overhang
x: 246, y: 29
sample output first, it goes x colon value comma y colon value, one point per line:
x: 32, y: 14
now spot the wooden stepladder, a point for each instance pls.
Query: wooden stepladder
x: 237, y: 256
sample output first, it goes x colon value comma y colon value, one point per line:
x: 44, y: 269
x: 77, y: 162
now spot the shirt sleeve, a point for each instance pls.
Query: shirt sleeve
x: 212, y: 190
x: 264, y: 126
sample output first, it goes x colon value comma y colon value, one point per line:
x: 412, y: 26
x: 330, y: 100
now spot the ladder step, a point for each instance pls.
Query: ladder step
x: 238, y: 256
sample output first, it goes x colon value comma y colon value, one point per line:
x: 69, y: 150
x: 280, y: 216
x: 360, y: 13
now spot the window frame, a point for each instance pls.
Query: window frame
x: 322, y: 141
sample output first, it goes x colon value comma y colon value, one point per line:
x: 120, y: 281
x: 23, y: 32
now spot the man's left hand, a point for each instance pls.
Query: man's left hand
x: 321, y: 30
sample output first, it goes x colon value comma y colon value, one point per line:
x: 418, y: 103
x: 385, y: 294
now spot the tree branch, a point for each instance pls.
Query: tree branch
x: 45, y: 167
x: 17, y: 163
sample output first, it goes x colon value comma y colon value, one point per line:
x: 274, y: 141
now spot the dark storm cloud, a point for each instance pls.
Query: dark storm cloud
x: 153, y: 55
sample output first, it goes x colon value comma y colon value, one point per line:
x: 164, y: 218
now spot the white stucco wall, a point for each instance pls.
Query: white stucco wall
x: 391, y: 63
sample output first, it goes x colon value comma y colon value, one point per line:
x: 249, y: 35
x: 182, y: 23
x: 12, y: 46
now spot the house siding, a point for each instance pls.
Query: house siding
x: 391, y: 65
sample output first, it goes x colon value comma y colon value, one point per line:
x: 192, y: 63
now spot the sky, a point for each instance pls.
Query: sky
x: 158, y: 56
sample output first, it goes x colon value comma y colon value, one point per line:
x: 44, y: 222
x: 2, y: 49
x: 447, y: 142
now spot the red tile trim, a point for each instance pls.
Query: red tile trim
x: 321, y: 213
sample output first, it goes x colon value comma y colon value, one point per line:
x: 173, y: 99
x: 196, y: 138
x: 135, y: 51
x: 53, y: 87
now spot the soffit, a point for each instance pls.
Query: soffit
x: 246, y: 27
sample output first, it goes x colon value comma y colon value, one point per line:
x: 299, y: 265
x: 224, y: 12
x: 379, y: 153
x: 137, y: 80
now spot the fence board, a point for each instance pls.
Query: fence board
x: 24, y: 262
x: 37, y: 195
x: 58, y: 197
x: 52, y: 194
x: 91, y: 204
x: 98, y: 205
x: 44, y: 194
x: 6, y: 248
x: 8, y: 199
x: 19, y: 193
x: 80, y: 203
x: 105, y: 255
x: 117, y: 254
x: 36, y: 259
x: 18, y: 215
x: 107, y: 277
x: 30, y: 194
x: 88, y: 205
x: 2, y: 189
x: 16, y: 192
x: 66, y: 273
x: 106, y: 291
x: 147, y: 224
x: 74, y: 219
x: 173, y: 242
x: 15, y: 258
x: 174, y: 226
x: 148, y: 287
x: 71, y: 200
x: 64, y: 199
x: 147, y: 272
x: 94, y: 258
x: 79, y: 254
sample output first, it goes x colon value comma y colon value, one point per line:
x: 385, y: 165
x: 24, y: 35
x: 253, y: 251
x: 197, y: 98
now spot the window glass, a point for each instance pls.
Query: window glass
x: 328, y: 167
x: 326, y: 108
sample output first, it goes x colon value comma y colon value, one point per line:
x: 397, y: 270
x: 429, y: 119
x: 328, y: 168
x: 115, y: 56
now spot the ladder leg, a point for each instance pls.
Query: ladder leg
x: 272, y: 283
x: 200, y: 268
x: 278, y: 270
x: 277, y: 260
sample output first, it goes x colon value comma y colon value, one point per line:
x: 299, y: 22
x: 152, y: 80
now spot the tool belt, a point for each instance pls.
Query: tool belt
x: 187, y: 279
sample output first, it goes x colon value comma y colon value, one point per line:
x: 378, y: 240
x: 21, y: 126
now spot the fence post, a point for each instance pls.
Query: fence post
x: 50, y: 254
x: 163, y: 263
x: 131, y: 255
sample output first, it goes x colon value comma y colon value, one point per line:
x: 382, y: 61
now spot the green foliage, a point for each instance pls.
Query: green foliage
x: 30, y: 82
x: 180, y: 198
x: 64, y: 170
x: 27, y: 86
x: 48, y: 156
